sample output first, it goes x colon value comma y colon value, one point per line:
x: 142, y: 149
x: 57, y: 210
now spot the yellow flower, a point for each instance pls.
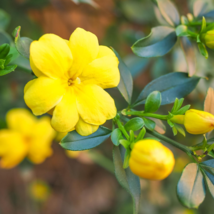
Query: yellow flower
x: 72, y: 76
x: 151, y: 160
x: 208, y: 39
x: 198, y: 122
x: 39, y: 190
x: 26, y: 136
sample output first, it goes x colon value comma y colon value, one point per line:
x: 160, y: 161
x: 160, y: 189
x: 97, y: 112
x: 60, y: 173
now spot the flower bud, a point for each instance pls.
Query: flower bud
x: 208, y: 39
x: 198, y: 122
x: 151, y: 160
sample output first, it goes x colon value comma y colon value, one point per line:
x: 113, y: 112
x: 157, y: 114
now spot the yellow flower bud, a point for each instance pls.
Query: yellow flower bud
x: 198, y: 122
x: 151, y: 160
x: 208, y: 39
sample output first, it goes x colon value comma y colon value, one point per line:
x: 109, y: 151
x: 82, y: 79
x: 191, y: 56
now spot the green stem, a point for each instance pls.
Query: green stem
x: 101, y: 160
x: 170, y: 141
x: 143, y: 114
x: 121, y: 127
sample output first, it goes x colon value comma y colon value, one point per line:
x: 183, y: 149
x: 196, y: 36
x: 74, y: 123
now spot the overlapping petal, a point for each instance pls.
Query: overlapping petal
x: 13, y: 148
x: 84, y: 128
x: 103, y: 72
x: 65, y: 115
x: 20, y: 120
x: 41, y: 139
x: 51, y: 56
x: 95, y: 105
x: 43, y: 94
x: 84, y: 47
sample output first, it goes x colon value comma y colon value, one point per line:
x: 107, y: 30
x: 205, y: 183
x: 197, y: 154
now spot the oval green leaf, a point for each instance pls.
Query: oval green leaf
x: 150, y: 124
x: 75, y: 142
x: 153, y: 102
x: 22, y: 43
x: 134, y: 124
x: 116, y: 135
x: 169, y: 12
x: 158, y: 43
x: 126, y: 82
x: 176, y: 84
x: 191, y: 186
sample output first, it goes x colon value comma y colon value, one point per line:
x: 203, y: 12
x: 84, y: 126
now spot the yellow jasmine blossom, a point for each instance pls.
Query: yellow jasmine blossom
x: 26, y: 136
x: 151, y: 160
x: 208, y: 39
x: 39, y: 190
x: 198, y: 122
x: 72, y: 76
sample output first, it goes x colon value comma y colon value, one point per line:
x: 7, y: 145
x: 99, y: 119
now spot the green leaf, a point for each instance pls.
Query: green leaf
x: 174, y: 130
x: 126, y: 158
x: 22, y: 43
x: 190, y: 54
x: 2, y: 62
x: 134, y: 124
x: 182, y: 30
x: 4, y: 50
x: 169, y: 12
x: 208, y: 167
x: 191, y: 186
x: 153, y: 102
x: 126, y: 82
x: 75, y: 142
x: 199, y: 8
x: 176, y: 84
x: 116, y: 135
x: 4, y: 19
x: 180, y: 129
x: 203, y: 50
x: 13, y: 54
x: 141, y: 134
x: 7, y: 70
x: 158, y: 43
x: 171, y: 124
x: 203, y: 25
x: 126, y: 178
x: 125, y: 143
x: 182, y: 110
x: 150, y: 124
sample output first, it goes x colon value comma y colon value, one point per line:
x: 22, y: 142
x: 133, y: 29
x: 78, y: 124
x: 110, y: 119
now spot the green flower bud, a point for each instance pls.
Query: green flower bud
x: 208, y: 39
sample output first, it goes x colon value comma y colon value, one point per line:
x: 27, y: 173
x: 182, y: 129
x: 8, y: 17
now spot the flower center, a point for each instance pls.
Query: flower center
x: 72, y: 81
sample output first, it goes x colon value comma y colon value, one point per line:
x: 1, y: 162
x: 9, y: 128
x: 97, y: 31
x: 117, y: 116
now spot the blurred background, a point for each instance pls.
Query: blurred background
x: 75, y: 183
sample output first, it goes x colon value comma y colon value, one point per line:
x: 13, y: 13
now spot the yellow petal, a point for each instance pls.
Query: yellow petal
x: 43, y: 94
x: 105, y: 51
x: 85, y: 129
x: 41, y: 140
x: 35, y: 70
x: 20, y: 120
x: 13, y: 148
x: 103, y: 72
x: 51, y: 55
x: 95, y: 105
x: 65, y: 115
x: 84, y: 47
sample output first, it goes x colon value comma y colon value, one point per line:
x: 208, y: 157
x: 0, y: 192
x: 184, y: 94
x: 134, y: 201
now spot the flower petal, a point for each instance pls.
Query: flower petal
x: 84, y: 128
x: 13, y: 148
x: 65, y: 115
x: 14, y: 117
x: 105, y: 51
x: 51, y: 56
x: 35, y: 70
x: 84, y: 47
x: 42, y: 94
x: 95, y: 105
x: 103, y: 72
x: 41, y: 140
